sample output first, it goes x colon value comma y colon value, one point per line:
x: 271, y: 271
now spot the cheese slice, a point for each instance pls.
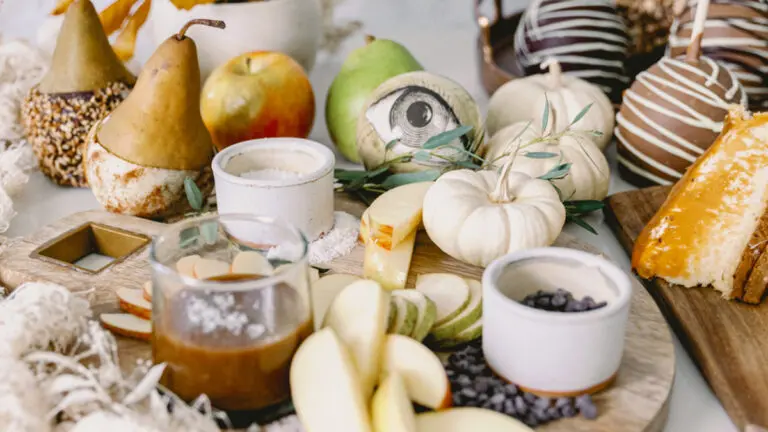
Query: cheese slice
x: 389, y: 267
x: 395, y: 214
x: 710, y: 231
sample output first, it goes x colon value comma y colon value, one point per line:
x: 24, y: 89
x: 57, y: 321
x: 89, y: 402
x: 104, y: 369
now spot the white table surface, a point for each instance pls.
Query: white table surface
x: 442, y: 35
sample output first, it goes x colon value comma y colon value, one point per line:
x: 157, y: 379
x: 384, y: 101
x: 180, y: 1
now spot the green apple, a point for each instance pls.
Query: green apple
x: 364, y: 69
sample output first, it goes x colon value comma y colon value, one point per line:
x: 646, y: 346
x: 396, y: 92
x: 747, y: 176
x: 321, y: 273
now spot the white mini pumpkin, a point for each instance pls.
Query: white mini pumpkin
x: 478, y: 216
x: 588, y: 177
x: 524, y: 99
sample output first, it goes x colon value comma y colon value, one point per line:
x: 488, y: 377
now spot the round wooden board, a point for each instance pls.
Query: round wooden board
x: 639, y: 398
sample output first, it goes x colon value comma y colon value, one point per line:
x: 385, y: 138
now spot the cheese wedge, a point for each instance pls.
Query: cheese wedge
x: 394, y: 215
x: 389, y: 267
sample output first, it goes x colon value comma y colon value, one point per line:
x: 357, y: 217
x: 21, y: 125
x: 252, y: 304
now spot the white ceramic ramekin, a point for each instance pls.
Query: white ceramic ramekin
x: 555, y: 353
x: 305, y: 202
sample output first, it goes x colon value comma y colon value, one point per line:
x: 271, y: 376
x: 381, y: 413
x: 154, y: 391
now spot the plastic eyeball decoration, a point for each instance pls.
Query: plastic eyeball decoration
x: 408, y: 110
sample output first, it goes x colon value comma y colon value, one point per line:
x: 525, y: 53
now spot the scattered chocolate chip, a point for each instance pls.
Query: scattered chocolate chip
x: 474, y: 385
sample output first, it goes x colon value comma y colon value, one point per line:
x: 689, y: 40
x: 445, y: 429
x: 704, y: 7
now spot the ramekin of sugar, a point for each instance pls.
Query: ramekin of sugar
x: 290, y: 179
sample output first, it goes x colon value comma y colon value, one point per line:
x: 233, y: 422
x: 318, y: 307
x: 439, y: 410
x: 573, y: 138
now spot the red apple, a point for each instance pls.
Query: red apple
x: 257, y: 95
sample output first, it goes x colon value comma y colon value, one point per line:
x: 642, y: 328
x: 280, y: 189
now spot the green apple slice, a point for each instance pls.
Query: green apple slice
x: 359, y: 315
x: 465, y: 336
x: 427, y: 312
x: 468, y: 419
x: 470, y: 315
x: 325, y: 290
x: 321, y: 363
x: 391, y: 409
x: 449, y: 292
x: 406, y: 315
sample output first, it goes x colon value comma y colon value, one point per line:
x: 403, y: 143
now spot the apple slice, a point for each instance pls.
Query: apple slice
x: 468, y: 419
x: 186, y: 265
x: 427, y: 312
x: 208, y: 268
x: 133, y: 302
x: 396, y: 214
x: 469, y: 316
x: 406, y: 315
x: 449, y: 292
x: 325, y: 387
x: 325, y: 290
x: 389, y: 267
x: 146, y: 291
x: 359, y: 316
x: 127, y: 325
x: 251, y: 262
x: 391, y: 409
x: 465, y: 336
x: 424, y: 375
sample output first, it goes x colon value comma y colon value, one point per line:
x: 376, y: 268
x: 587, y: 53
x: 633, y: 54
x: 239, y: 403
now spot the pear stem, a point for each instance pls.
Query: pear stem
x: 208, y: 22
x: 369, y: 39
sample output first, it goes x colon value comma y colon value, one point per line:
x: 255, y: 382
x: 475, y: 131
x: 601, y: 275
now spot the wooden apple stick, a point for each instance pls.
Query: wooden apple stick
x: 694, y: 47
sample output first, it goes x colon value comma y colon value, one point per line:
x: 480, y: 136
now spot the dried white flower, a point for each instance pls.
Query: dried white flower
x: 39, y: 316
x: 23, y: 407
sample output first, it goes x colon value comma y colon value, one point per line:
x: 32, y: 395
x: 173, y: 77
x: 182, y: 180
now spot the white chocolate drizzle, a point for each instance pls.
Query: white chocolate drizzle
x: 587, y: 37
x: 732, y: 40
x: 671, y: 89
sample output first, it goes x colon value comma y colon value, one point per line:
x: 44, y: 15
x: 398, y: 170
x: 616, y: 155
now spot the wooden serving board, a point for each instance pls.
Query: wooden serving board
x: 728, y: 340
x: 638, y: 401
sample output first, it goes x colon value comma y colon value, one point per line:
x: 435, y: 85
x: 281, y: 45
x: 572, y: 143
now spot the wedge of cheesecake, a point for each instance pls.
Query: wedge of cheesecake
x: 713, y: 228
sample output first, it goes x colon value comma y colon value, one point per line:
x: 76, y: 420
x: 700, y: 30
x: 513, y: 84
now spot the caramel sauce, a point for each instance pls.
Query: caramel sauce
x: 229, y: 345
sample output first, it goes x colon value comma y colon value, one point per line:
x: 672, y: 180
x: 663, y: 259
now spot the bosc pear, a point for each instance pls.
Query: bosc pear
x: 85, y: 82
x: 138, y: 157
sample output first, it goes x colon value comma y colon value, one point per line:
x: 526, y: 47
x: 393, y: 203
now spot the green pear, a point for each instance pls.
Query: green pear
x: 363, y: 70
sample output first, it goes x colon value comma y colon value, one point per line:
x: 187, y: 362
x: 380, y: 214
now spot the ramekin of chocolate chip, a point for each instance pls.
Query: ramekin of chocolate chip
x: 554, y: 320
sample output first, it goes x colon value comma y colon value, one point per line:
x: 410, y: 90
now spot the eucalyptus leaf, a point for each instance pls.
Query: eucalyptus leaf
x: 210, y: 231
x: 447, y: 137
x: 545, y: 116
x: 468, y: 165
x: 422, y: 156
x: 540, y: 155
x: 413, y: 177
x: 194, y: 196
x: 557, y: 172
x: 390, y: 144
x: 188, y: 237
x: 348, y: 175
x: 581, y: 114
x: 596, y: 133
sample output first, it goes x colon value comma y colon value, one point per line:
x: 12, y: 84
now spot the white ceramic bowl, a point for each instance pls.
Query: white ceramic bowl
x: 305, y: 201
x: 293, y: 27
x: 555, y: 353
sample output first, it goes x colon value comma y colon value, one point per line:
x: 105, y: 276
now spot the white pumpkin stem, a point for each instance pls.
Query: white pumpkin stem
x: 555, y: 74
x: 500, y: 193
